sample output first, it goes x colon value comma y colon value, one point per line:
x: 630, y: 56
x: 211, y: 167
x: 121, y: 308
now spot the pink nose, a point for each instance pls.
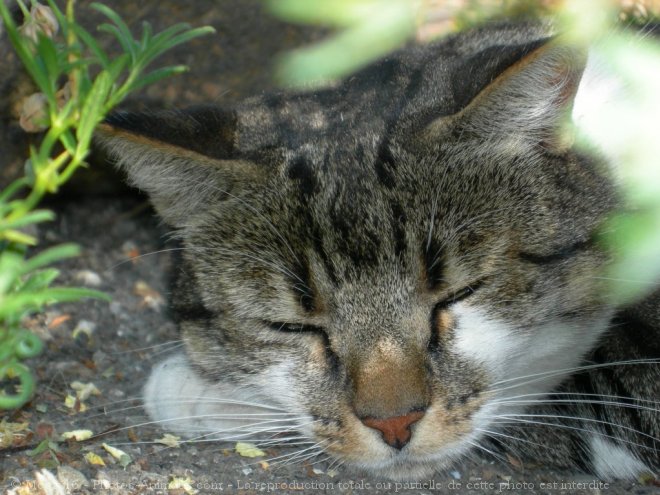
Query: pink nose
x: 396, y: 430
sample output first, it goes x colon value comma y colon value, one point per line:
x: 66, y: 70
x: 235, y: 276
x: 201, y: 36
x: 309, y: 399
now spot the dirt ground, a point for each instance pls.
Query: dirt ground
x: 125, y: 253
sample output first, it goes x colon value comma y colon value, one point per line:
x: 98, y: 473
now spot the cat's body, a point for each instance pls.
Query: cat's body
x: 401, y: 267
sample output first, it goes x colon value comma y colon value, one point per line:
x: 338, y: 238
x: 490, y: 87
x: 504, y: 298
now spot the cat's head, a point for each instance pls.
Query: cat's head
x: 392, y: 259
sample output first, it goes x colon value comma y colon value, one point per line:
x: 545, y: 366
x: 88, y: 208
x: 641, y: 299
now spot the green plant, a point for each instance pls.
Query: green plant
x: 79, y: 84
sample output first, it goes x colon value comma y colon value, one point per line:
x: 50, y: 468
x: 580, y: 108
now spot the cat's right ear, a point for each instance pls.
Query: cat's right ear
x: 185, y: 160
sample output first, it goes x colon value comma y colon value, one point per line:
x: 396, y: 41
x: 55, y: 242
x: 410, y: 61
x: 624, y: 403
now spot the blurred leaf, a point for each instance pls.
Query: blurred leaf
x: 50, y: 256
x: 339, y: 13
x: 39, y: 279
x: 636, y: 241
x: 36, y: 216
x: 31, y: 300
x: 386, y: 27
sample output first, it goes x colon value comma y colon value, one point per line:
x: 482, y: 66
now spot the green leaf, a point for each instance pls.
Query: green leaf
x: 21, y: 45
x: 91, y: 43
x: 26, y: 301
x: 18, y: 237
x: 127, y: 45
x: 39, y: 449
x: 11, y: 263
x: 352, y: 48
x: 635, y: 240
x: 338, y: 13
x: 40, y: 279
x: 168, y: 39
x: 48, y: 53
x: 121, y: 30
x: 92, y: 111
x: 157, y: 75
x: 12, y: 189
x: 146, y: 35
x: 68, y: 140
x: 118, y: 65
x: 49, y: 256
x: 36, y: 216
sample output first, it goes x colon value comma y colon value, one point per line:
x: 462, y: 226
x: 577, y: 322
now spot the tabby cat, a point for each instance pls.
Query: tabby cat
x: 403, y: 268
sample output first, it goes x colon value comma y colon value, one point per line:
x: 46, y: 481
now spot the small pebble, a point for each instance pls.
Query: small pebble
x: 84, y: 327
x: 247, y: 470
x: 116, y: 309
x: 88, y: 278
x: 455, y: 474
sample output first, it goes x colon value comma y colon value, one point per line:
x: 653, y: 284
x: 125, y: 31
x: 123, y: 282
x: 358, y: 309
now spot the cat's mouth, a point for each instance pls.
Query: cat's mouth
x: 438, y: 437
x: 404, y: 465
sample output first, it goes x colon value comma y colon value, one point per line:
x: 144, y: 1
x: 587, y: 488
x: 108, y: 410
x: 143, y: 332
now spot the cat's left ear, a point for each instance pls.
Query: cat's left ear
x: 529, y: 102
x: 185, y: 160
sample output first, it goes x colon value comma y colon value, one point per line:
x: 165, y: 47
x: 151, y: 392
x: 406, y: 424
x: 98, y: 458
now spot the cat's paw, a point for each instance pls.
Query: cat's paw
x: 179, y: 400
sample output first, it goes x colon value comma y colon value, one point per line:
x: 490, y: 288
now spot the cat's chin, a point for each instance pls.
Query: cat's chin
x: 405, y: 468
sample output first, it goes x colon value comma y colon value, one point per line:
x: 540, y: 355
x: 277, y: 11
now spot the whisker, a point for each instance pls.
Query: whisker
x: 499, y: 434
x: 142, y: 256
x: 580, y: 394
x: 575, y: 401
x: 481, y: 447
x: 576, y: 369
x: 183, y: 400
x: 519, y: 419
x: 139, y: 349
x: 295, y: 454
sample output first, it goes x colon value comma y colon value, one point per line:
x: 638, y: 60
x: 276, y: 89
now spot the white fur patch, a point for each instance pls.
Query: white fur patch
x: 483, y: 339
x: 177, y: 398
x: 523, y: 360
x: 612, y: 461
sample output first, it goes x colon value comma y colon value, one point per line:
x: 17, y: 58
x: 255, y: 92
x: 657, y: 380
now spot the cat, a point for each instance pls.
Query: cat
x: 403, y: 268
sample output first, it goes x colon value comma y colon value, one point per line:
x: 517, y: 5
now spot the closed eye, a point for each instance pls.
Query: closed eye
x: 295, y: 328
x: 560, y: 255
x: 457, y: 296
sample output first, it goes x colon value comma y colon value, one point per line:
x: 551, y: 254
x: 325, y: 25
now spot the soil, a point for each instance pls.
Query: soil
x: 125, y: 253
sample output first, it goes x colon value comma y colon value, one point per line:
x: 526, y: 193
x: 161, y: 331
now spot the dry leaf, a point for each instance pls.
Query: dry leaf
x: 150, y: 297
x: 94, y: 459
x: 246, y: 449
x: 10, y: 432
x: 58, y: 320
x: 123, y: 458
x: 77, y: 435
x: 169, y: 440
x: 182, y: 484
x: 84, y: 390
x: 84, y: 326
x: 74, y: 403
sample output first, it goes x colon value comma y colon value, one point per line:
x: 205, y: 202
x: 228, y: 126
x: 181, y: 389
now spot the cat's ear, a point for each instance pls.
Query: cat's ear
x: 185, y: 160
x: 529, y: 102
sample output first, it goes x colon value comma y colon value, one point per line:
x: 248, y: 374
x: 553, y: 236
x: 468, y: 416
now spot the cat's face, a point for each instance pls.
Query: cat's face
x: 390, y: 276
